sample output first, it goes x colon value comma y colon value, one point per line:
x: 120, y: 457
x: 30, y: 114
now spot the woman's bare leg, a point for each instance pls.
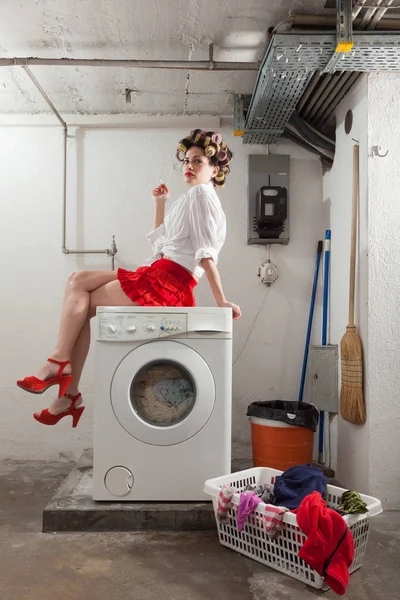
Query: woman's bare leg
x: 109, y: 294
x: 106, y: 295
x: 74, y: 314
x: 79, y: 356
x: 78, y: 359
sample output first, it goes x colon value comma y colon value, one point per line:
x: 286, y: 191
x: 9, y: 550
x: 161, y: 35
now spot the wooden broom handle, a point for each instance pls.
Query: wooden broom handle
x: 356, y: 161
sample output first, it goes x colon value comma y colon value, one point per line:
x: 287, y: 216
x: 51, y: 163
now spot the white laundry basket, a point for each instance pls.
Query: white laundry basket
x: 282, y: 554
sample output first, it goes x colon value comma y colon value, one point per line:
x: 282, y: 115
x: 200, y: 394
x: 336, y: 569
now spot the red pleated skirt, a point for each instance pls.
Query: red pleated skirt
x: 164, y: 283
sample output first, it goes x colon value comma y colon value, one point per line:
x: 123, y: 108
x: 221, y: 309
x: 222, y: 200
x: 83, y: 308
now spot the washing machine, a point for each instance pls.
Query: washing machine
x: 162, y: 416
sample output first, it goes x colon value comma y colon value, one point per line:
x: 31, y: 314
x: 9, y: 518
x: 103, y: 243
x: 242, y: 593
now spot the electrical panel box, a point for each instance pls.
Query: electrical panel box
x: 322, y: 386
x: 269, y: 194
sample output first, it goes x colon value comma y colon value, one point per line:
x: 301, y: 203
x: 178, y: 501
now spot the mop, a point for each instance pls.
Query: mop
x: 327, y: 470
x: 310, y: 319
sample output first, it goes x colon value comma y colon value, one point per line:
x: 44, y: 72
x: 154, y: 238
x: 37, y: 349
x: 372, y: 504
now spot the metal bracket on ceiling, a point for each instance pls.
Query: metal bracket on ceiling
x: 211, y: 56
x: 128, y: 95
x: 240, y: 107
x: 344, y: 33
x: 238, y: 115
x: 344, y: 25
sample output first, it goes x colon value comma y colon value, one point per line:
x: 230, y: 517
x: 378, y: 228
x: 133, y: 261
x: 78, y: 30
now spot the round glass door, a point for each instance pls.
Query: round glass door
x: 163, y: 392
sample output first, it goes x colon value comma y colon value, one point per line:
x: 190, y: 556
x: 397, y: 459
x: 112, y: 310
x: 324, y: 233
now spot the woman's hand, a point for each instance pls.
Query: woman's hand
x: 236, y: 312
x: 161, y: 193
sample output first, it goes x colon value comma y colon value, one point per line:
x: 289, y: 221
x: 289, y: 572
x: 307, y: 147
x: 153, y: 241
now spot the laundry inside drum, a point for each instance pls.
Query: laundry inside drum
x: 163, y: 393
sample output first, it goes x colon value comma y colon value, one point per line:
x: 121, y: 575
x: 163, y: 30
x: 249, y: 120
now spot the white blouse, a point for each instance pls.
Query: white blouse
x: 194, y: 228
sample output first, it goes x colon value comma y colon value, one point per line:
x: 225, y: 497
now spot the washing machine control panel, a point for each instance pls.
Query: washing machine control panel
x: 123, y: 327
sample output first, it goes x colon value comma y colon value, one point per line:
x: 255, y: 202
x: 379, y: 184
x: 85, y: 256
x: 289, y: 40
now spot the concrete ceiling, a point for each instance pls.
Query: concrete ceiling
x: 135, y: 29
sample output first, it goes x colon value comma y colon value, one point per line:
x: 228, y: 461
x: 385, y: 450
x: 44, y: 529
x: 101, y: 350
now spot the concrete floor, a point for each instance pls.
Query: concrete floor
x: 120, y: 566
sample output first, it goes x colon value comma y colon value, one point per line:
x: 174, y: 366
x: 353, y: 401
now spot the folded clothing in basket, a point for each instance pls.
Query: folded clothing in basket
x: 351, y: 503
x: 329, y: 547
x: 298, y: 482
x: 249, y: 500
x: 264, y: 491
x: 273, y: 515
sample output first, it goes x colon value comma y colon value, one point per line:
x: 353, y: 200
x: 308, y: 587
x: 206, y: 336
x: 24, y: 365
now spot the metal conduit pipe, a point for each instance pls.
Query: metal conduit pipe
x: 330, y: 127
x: 328, y: 107
x: 292, y: 134
x: 109, y: 251
x: 330, y: 22
x: 357, y: 8
x: 351, y: 80
x: 369, y: 13
x: 379, y: 14
x: 340, y: 82
x: 310, y: 134
x: 331, y: 84
x: 44, y: 95
x: 323, y: 136
x: 323, y: 82
x: 348, y: 79
x: 186, y: 65
x: 65, y: 166
x: 310, y: 88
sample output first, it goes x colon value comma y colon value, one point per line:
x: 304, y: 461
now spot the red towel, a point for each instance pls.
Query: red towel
x: 329, y: 548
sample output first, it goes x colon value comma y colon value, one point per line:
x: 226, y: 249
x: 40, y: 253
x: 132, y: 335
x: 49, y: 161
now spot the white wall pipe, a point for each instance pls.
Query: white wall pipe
x: 109, y: 251
x: 201, y: 65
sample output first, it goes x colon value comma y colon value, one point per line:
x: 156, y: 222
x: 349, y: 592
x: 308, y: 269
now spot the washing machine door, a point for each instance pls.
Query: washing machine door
x: 163, y: 393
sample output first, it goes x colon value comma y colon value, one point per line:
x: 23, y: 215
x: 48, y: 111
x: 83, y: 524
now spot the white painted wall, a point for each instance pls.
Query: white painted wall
x: 350, y: 443
x: 112, y: 172
x: 368, y: 457
x: 384, y: 288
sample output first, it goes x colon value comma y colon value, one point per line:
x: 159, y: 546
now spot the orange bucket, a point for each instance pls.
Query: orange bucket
x: 279, y: 445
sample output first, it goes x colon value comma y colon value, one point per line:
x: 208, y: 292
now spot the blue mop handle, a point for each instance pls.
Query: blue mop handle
x: 327, y: 251
x: 310, y: 319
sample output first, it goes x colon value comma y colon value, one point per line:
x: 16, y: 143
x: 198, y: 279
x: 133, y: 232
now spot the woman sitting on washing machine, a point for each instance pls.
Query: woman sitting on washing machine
x: 186, y: 242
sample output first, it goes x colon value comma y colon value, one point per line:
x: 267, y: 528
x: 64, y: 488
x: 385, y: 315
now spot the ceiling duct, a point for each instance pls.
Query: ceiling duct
x: 303, y: 77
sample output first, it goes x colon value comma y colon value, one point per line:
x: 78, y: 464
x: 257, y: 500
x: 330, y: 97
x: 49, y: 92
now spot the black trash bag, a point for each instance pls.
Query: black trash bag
x: 300, y: 414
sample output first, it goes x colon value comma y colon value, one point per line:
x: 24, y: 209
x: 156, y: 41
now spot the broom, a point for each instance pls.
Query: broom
x: 352, y: 406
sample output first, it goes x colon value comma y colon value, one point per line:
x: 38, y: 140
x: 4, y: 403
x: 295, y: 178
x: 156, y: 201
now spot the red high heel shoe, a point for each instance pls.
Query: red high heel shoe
x: 47, y: 418
x: 38, y: 386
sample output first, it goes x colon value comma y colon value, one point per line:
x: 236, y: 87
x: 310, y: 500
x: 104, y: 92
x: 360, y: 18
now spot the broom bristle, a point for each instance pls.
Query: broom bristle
x: 352, y: 405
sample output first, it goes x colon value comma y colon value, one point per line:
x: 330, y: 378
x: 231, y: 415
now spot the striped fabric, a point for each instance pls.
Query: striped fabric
x: 273, y: 516
x: 273, y: 520
x: 224, y: 502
